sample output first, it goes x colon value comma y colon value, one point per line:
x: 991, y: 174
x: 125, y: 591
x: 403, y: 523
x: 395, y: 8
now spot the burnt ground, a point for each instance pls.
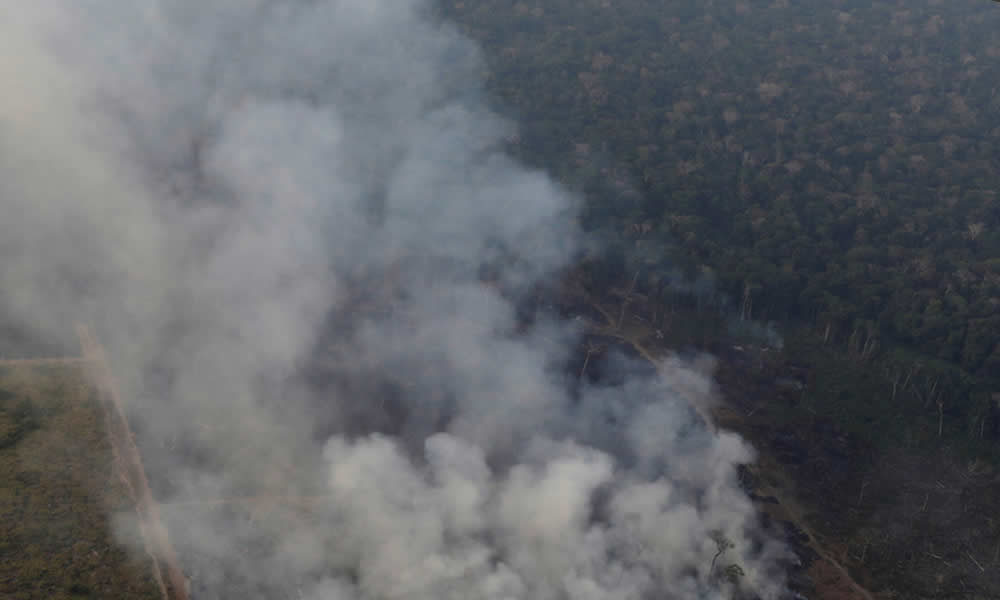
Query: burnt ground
x: 868, y: 518
x: 818, y: 574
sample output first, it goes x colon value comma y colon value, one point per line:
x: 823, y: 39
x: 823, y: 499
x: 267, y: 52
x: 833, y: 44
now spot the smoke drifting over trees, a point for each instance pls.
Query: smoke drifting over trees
x: 219, y: 187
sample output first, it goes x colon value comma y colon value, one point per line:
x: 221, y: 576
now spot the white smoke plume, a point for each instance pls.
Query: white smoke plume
x: 293, y: 225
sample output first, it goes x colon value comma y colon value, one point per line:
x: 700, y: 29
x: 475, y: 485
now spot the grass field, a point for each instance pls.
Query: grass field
x: 57, y: 491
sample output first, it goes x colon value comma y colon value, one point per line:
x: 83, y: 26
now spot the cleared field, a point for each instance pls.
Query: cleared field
x: 57, y: 490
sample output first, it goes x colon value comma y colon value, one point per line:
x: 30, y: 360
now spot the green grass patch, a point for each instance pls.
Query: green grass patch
x: 57, y: 493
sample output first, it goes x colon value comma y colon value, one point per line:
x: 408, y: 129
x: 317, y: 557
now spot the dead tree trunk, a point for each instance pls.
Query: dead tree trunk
x: 940, y: 406
x: 747, y: 307
x: 628, y: 297
x: 591, y: 350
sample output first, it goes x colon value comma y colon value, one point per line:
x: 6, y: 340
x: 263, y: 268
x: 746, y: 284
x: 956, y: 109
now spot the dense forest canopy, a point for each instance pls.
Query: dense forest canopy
x: 833, y: 161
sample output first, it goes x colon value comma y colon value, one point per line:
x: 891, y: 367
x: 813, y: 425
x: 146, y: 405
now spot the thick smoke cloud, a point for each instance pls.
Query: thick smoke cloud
x: 296, y: 231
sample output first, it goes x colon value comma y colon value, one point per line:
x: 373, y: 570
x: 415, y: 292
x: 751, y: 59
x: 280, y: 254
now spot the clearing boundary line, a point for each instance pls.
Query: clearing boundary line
x: 129, y: 463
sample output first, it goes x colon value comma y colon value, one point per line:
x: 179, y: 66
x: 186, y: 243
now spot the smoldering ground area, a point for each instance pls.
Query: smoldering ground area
x: 295, y: 229
x: 393, y: 436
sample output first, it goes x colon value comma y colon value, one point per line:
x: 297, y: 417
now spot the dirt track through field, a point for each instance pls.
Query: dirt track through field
x: 169, y: 577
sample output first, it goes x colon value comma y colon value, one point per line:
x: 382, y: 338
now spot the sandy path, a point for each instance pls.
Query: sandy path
x: 174, y: 586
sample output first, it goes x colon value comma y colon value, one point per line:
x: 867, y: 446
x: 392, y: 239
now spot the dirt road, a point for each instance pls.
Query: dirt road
x: 174, y: 585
